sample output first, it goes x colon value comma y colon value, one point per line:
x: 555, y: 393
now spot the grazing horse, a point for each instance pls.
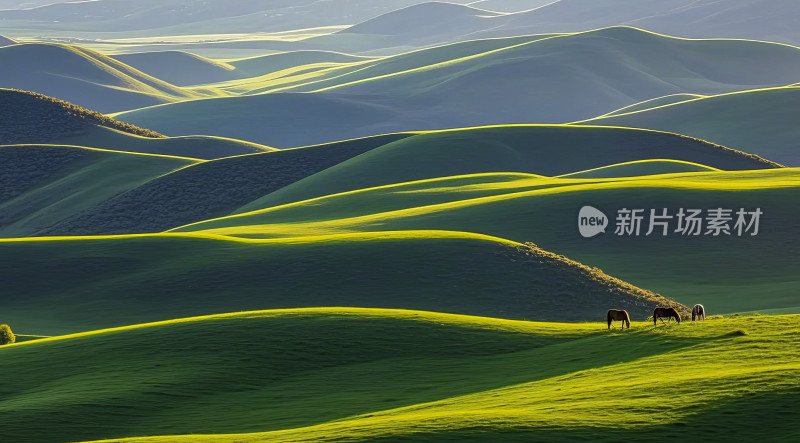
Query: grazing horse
x: 699, y: 312
x: 618, y: 315
x: 669, y: 313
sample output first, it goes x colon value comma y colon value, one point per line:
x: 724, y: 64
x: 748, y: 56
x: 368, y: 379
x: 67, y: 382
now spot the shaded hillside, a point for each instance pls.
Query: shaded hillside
x: 254, y: 66
x: 43, y: 185
x: 209, y: 189
x: 84, y: 77
x: 434, y: 89
x: 544, y: 150
x: 27, y: 117
x: 282, y: 120
x: 5, y: 41
x: 760, y: 122
x: 102, y: 282
x: 178, y: 67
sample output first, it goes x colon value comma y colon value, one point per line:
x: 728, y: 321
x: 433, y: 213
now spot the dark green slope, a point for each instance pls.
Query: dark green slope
x: 89, y: 283
x: 44, y: 185
x: 209, y: 189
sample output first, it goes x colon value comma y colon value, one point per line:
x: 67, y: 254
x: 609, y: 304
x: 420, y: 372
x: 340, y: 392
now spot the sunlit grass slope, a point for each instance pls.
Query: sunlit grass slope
x: 760, y: 122
x: 640, y: 168
x: 210, y: 189
x: 41, y: 185
x: 537, y: 149
x: 94, y: 282
x: 381, y: 375
x: 85, y: 77
x: 722, y: 272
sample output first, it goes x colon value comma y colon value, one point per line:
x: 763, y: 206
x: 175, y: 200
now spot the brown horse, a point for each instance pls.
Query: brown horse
x: 668, y: 313
x: 699, y: 312
x: 618, y: 315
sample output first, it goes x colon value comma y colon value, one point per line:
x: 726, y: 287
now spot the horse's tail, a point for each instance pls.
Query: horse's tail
x: 655, y: 316
x: 608, y: 318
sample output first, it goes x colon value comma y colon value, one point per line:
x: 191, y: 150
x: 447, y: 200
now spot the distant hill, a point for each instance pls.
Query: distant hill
x: 544, y: 150
x: 28, y: 117
x: 427, y: 90
x: 209, y: 189
x: 5, y: 41
x: 254, y: 66
x: 178, y: 67
x: 102, y: 281
x: 424, y: 18
x: 43, y: 185
x: 509, y: 5
x: 84, y: 77
x: 759, y: 122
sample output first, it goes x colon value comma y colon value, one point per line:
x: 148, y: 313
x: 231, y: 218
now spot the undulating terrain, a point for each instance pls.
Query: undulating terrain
x: 398, y: 220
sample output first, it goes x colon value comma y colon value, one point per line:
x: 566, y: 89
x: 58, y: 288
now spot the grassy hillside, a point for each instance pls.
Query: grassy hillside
x: 537, y: 149
x: 759, y: 121
x: 375, y: 375
x: 41, y: 185
x: 210, y: 189
x: 84, y: 77
x: 98, y: 282
x: 34, y: 118
x: 255, y: 66
x: 457, y: 86
x: 704, y: 269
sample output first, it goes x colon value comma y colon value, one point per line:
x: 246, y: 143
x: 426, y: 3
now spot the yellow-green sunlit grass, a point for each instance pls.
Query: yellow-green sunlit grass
x: 336, y: 374
x: 303, y: 216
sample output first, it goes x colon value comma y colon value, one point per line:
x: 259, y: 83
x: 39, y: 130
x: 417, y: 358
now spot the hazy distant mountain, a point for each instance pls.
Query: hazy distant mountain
x: 84, y: 77
x: 5, y: 41
x: 555, y: 80
x: 201, y: 16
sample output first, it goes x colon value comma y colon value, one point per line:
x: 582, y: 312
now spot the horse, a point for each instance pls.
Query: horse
x: 669, y: 313
x: 618, y: 314
x: 699, y: 312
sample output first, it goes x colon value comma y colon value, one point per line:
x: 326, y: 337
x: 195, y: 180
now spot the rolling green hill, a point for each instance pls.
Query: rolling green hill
x: 210, y: 189
x: 41, y: 185
x: 722, y: 272
x: 30, y: 118
x: 436, y: 89
x: 759, y: 122
x: 97, y: 282
x: 538, y: 149
x: 382, y: 375
x: 84, y: 77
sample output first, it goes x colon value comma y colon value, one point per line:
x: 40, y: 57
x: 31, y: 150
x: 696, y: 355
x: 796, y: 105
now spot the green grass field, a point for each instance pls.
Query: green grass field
x: 723, y: 272
x: 383, y: 375
x: 100, y: 282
